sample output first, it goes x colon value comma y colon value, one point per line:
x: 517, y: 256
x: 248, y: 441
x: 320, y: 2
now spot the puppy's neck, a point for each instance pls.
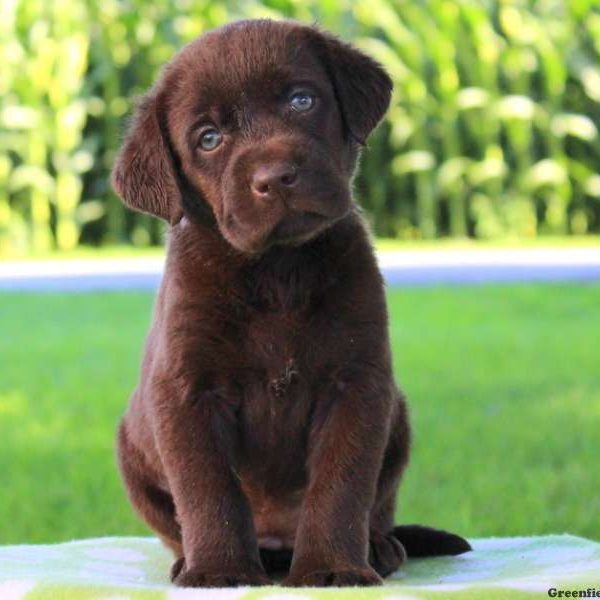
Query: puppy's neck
x: 283, y: 278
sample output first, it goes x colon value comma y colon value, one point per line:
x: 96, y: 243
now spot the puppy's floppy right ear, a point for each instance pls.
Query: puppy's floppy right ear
x: 362, y: 86
x: 143, y: 174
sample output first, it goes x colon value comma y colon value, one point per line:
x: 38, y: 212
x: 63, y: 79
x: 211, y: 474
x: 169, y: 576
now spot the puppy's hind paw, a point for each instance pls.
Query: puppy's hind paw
x: 386, y: 553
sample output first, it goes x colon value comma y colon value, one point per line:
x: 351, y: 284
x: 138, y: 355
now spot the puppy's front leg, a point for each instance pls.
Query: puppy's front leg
x: 196, y: 442
x: 331, y: 547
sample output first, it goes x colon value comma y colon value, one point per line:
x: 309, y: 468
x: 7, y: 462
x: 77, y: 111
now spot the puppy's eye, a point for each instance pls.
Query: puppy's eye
x: 210, y: 139
x: 301, y: 101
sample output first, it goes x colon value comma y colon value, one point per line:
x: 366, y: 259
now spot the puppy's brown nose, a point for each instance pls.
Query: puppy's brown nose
x: 274, y: 178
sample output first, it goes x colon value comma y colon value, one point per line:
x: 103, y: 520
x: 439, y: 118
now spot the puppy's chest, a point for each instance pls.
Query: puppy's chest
x: 278, y: 346
x: 276, y: 400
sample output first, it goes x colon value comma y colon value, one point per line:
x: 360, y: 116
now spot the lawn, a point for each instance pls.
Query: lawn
x: 504, y: 384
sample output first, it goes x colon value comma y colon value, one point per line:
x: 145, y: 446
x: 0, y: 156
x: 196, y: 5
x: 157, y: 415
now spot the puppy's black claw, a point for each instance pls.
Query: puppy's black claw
x: 177, y: 567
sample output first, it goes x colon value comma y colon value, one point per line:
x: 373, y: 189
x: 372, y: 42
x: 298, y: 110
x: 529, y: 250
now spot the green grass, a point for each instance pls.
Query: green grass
x: 503, y: 382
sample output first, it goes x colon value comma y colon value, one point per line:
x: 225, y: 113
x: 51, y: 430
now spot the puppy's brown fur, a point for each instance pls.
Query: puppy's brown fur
x: 266, y: 427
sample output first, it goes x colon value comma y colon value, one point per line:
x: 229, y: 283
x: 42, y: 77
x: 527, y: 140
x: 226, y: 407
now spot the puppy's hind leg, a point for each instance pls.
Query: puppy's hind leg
x: 386, y: 552
x: 152, y: 503
x: 390, y: 545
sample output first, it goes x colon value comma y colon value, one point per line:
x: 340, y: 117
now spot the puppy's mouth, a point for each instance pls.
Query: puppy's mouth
x: 299, y: 227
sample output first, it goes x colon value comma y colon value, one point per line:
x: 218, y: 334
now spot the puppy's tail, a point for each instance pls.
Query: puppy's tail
x: 426, y: 541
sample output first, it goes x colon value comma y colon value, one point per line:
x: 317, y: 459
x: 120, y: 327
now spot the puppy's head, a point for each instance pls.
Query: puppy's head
x: 257, y: 125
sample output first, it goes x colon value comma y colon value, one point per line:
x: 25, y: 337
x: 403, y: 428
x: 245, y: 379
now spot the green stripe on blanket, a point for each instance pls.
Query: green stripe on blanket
x: 136, y: 568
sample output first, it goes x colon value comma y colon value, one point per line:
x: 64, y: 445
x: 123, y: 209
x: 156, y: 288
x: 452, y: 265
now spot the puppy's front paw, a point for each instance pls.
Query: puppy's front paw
x: 183, y: 577
x: 334, y: 578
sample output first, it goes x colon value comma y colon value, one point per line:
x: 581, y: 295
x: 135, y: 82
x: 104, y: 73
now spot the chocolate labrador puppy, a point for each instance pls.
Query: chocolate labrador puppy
x: 266, y: 432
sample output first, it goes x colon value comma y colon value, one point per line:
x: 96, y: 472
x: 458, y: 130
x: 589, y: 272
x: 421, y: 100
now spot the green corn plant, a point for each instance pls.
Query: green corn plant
x: 9, y: 57
x: 25, y: 117
x: 5, y: 212
x: 69, y: 111
x: 489, y: 148
x: 44, y: 107
x: 492, y: 128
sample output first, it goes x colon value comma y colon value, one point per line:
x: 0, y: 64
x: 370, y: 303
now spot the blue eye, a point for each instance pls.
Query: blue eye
x: 301, y: 101
x: 210, y: 139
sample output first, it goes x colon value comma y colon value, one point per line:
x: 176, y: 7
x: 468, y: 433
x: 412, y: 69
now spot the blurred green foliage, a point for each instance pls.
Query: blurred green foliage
x: 491, y: 133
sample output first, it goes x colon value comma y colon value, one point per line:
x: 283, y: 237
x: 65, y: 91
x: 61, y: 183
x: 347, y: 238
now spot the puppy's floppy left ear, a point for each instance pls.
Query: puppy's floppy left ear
x: 362, y: 86
x: 144, y: 174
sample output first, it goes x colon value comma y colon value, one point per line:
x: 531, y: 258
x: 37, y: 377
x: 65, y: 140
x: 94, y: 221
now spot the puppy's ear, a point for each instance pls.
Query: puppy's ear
x: 362, y: 87
x: 143, y: 174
